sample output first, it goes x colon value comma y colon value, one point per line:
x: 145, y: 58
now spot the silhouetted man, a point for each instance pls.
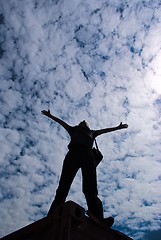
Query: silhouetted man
x: 80, y: 155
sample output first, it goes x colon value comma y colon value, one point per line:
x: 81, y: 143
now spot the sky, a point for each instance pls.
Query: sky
x: 96, y: 60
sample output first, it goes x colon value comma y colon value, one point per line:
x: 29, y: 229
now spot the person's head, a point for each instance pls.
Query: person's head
x: 83, y: 124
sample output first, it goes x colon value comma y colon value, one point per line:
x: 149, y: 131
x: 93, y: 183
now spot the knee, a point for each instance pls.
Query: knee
x: 92, y: 192
x: 90, y: 196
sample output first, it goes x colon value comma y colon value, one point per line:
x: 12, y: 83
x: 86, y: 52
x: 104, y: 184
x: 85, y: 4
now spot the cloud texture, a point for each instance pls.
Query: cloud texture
x: 93, y: 60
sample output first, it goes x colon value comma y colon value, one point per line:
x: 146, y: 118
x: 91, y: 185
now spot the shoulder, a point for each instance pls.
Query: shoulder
x: 95, y: 133
x: 71, y: 129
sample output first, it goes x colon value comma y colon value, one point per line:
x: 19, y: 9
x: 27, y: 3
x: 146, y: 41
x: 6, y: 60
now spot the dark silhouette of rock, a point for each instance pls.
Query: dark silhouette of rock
x: 68, y: 222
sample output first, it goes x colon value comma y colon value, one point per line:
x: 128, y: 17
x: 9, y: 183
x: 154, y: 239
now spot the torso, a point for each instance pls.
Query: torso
x: 81, y: 135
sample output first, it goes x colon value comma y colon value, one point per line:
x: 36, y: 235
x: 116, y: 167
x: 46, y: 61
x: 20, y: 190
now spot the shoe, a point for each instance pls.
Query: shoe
x: 108, y: 221
x: 105, y: 222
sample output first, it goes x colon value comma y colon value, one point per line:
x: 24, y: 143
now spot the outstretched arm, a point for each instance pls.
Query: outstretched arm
x: 106, y: 130
x: 61, y: 122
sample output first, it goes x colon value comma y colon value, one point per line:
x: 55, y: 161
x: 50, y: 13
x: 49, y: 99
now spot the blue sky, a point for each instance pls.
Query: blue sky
x: 97, y: 60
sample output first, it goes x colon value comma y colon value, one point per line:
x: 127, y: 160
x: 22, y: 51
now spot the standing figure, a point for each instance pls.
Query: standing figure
x: 80, y: 156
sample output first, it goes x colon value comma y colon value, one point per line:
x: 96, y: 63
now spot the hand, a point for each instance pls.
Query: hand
x: 46, y: 113
x: 121, y: 126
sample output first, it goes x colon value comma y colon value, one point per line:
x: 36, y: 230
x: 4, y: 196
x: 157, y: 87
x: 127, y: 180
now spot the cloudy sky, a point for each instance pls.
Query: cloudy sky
x: 97, y: 60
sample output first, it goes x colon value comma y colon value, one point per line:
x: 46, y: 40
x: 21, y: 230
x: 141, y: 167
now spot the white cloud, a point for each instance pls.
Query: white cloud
x: 83, y: 60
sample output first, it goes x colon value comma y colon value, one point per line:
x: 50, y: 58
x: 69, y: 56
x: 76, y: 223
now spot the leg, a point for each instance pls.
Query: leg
x: 90, y: 185
x: 69, y: 170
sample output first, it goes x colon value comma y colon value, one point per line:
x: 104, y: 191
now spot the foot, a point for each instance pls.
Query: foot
x: 108, y: 221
